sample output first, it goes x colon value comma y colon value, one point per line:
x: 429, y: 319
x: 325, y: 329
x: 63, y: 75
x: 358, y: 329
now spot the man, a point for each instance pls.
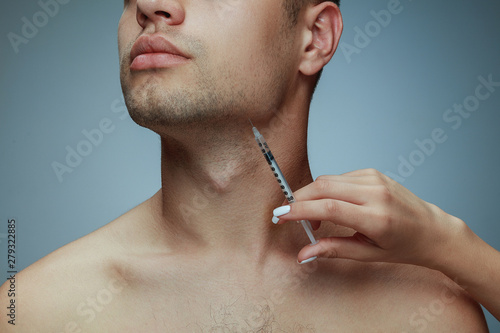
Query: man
x: 202, y: 255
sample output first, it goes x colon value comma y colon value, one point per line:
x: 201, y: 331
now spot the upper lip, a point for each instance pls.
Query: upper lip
x: 154, y: 44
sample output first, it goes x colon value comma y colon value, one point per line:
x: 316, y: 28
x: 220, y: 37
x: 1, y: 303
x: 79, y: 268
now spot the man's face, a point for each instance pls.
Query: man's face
x: 237, y: 59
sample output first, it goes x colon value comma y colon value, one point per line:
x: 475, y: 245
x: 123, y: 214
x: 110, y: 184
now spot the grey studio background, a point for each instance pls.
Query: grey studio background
x: 390, y: 88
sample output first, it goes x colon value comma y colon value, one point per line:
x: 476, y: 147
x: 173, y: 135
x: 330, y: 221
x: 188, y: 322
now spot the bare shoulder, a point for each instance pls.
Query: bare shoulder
x: 65, y: 288
x: 417, y: 299
x: 400, y: 298
x: 440, y: 304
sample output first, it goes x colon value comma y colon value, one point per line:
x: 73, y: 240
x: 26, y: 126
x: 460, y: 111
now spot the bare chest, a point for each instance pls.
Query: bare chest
x: 210, y: 308
x: 266, y: 309
x: 285, y: 301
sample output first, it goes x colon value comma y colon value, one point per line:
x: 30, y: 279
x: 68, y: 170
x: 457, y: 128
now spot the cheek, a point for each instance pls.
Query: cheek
x: 126, y: 30
x: 238, y: 30
x: 239, y: 42
x: 121, y: 37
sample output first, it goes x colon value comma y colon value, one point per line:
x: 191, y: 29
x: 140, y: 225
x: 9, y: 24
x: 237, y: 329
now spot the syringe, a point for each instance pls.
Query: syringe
x: 281, y: 179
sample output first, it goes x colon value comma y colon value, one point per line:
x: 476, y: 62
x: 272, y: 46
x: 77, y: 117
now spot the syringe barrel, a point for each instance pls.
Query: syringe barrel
x: 264, y: 148
x: 287, y: 191
x: 285, y: 188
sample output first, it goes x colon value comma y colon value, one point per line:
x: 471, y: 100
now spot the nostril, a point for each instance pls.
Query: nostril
x: 161, y: 13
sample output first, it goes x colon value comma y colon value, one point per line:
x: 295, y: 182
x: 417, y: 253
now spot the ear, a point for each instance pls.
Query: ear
x: 322, y: 31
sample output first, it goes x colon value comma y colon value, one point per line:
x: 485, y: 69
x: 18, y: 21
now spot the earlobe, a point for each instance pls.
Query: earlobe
x: 324, y: 23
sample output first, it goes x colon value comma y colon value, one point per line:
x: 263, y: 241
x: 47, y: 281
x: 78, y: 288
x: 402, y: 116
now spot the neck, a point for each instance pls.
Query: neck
x: 218, y: 192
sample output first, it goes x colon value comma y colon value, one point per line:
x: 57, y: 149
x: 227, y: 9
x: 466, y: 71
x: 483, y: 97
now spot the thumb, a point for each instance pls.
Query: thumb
x: 357, y: 247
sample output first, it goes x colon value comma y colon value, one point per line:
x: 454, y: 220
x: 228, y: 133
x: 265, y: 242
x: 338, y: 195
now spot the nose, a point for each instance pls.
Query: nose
x: 161, y: 12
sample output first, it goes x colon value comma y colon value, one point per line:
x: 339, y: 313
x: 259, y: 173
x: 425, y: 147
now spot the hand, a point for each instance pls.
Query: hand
x: 391, y: 223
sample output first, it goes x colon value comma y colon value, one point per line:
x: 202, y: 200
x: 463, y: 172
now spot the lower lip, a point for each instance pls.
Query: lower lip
x: 156, y: 60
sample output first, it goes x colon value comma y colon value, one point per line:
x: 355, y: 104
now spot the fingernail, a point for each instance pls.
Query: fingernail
x: 305, y: 261
x: 281, y: 210
x: 275, y: 220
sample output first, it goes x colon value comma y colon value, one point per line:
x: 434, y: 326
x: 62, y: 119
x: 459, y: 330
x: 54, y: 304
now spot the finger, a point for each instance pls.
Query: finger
x: 376, y: 176
x: 314, y: 224
x: 326, y: 188
x: 363, y: 172
x: 339, y: 212
x: 354, y: 178
x: 355, y: 247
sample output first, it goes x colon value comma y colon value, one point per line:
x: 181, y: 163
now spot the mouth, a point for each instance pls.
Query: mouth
x: 155, y: 51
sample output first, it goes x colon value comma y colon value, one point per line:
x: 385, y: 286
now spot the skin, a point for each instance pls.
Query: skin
x: 201, y: 254
x: 393, y: 225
